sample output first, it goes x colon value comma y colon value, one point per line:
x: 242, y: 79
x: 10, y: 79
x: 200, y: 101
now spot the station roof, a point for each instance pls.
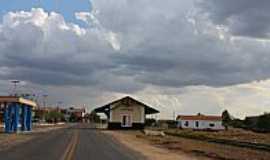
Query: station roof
x: 106, y: 108
x: 14, y: 99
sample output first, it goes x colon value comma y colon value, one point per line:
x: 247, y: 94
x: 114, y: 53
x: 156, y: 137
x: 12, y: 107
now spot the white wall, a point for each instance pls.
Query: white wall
x: 136, y: 112
x: 203, y: 124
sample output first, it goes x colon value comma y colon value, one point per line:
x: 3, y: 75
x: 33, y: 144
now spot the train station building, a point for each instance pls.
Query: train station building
x: 126, y: 113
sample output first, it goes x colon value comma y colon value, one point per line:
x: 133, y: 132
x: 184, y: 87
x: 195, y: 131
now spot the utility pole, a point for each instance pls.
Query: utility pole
x: 44, y: 100
x: 14, y: 82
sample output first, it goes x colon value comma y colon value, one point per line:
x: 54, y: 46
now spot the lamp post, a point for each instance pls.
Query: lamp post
x: 15, y: 82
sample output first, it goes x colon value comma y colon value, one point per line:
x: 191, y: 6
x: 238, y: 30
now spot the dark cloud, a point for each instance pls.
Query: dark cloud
x: 166, y: 52
x: 246, y: 18
x: 159, y: 46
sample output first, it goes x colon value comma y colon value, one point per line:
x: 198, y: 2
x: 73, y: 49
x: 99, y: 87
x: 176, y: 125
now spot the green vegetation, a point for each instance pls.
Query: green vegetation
x: 226, y: 119
x: 263, y: 122
x: 54, y: 117
x: 259, y: 123
x: 93, y: 117
x: 150, y: 122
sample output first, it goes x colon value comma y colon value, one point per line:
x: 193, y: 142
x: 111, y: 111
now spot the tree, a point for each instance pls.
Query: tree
x: 73, y: 118
x: 226, y: 119
x: 94, y: 117
x: 263, y: 123
x: 150, y: 122
x: 54, y: 116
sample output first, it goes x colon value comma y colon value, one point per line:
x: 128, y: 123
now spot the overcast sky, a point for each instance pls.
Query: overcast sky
x: 177, y: 55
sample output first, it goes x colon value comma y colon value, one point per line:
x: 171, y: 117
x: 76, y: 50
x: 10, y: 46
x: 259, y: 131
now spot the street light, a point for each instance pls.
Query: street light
x: 15, y: 82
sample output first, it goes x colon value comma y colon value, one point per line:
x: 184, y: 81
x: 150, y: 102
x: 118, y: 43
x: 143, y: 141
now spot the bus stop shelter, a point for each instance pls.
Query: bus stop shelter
x: 17, y: 113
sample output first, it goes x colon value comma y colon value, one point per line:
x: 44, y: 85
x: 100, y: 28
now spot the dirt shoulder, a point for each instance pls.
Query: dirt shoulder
x: 239, y: 135
x: 134, y: 140
x: 170, y: 147
x: 9, y: 140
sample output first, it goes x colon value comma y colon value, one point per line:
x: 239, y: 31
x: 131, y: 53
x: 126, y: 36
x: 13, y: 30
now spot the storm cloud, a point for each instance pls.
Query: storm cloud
x: 144, y: 42
x: 247, y: 18
x: 126, y: 46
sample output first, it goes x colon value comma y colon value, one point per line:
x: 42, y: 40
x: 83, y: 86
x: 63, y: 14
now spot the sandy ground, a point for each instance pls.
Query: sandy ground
x: 170, y: 147
x: 150, y: 151
x: 232, y: 134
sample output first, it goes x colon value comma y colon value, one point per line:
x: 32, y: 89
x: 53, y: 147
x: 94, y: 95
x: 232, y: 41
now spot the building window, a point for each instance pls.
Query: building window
x: 197, y: 123
x: 186, y: 123
x: 212, y: 125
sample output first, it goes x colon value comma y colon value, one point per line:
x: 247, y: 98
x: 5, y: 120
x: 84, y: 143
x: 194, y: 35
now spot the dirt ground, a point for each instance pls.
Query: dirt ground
x: 231, y: 134
x: 134, y: 141
x: 168, y: 147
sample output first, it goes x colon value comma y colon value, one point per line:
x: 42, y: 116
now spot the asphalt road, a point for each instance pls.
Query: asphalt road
x: 75, y: 143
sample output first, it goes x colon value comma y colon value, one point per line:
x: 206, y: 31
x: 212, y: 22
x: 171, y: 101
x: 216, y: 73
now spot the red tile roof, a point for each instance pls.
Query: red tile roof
x: 199, y: 117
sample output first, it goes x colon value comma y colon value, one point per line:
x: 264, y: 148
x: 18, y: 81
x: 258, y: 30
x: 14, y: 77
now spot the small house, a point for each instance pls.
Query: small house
x: 200, y: 122
x: 126, y: 113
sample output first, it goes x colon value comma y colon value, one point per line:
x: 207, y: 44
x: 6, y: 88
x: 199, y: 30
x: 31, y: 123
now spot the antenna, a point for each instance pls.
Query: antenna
x: 14, y: 82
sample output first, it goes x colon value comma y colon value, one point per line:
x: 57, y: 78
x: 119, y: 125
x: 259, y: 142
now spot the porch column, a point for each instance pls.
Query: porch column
x: 16, y: 116
x: 29, y: 118
x: 24, y: 117
x: 7, y: 118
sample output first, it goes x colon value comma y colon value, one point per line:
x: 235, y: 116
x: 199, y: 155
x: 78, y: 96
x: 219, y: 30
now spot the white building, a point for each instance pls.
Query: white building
x: 126, y: 113
x: 200, y: 122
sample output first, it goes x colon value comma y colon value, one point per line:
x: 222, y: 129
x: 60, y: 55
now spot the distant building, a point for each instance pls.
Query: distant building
x: 200, y: 122
x: 74, y: 114
x: 126, y: 113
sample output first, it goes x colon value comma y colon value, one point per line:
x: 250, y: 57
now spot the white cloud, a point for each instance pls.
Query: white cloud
x: 91, y: 19
x: 169, y: 54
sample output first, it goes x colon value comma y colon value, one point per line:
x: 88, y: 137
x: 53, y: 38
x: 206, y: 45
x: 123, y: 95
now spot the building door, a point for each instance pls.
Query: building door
x: 197, y: 124
x: 126, y: 121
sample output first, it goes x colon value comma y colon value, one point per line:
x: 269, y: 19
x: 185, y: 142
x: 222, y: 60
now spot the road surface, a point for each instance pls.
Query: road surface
x: 74, y: 143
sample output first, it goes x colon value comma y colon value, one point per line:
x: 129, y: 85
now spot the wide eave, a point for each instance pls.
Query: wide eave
x: 106, y: 108
x: 13, y: 99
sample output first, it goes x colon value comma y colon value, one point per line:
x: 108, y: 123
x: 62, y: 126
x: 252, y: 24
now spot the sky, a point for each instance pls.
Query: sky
x: 182, y: 56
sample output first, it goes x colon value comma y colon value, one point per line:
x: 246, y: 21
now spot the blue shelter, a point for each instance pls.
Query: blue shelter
x: 17, y: 113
